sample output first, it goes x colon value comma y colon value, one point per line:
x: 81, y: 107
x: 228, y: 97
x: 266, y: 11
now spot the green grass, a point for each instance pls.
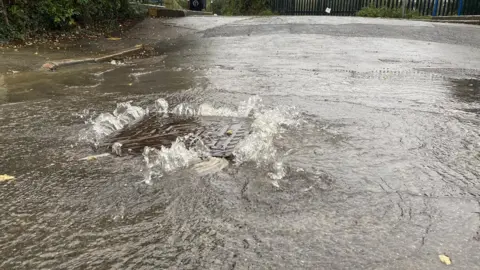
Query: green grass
x: 267, y: 12
x: 385, y: 12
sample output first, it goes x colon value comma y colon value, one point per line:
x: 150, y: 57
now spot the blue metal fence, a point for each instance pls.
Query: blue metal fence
x: 351, y: 7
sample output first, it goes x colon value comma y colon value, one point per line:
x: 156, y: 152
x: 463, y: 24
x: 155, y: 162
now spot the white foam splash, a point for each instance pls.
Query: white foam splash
x: 127, y: 113
x: 136, y: 75
x: 165, y: 160
x: 184, y: 109
x: 208, y: 110
x: 278, y: 171
x: 258, y: 145
x: 247, y: 107
x: 161, y: 105
x: 117, y: 63
x: 106, y: 123
x: 244, y: 109
x: 117, y: 148
x: 211, y: 165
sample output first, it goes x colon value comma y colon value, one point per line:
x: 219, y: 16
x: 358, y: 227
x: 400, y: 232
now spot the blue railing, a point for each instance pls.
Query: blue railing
x: 351, y: 7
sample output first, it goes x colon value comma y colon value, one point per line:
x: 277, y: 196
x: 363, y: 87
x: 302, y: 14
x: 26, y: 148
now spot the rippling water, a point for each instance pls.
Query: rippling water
x: 363, y: 155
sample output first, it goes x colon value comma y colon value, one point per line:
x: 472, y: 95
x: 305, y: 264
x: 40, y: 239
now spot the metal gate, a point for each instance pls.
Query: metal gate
x: 471, y: 7
x: 351, y: 7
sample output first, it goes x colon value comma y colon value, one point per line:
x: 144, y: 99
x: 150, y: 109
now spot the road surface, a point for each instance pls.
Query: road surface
x: 365, y: 152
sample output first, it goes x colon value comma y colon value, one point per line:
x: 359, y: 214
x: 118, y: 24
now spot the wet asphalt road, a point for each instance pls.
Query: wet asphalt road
x: 381, y: 173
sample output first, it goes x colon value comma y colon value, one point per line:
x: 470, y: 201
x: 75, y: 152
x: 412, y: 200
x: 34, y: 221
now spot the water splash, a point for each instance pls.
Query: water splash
x: 165, y: 160
x: 184, y: 109
x: 258, y: 146
x: 106, y: 123
x: 117, y: 63
x: 245, y: 109
x: 208, y: 110
x: 161, y: 105
x: 117, y: 148
x: 86, y: 115
x: 136, y: 75
x: 127, y: 113
x: 278, y: 171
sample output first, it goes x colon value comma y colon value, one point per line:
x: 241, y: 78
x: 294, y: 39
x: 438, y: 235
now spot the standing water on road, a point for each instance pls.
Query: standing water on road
x: 364, y: 151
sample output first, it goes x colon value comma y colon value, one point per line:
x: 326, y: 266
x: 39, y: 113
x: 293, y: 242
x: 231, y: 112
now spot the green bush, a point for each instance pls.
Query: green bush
x: 386, y: 12
x: 267, y: 12
x: 218, y: 6
x: 29, y: 17
x: 241, y: 7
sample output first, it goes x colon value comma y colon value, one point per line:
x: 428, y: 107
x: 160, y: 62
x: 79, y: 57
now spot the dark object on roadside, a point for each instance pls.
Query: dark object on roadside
x: 219, y: 134
x: 197, y: 5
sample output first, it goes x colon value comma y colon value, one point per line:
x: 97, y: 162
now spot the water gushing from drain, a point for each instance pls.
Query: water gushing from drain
x: 258, y: 147
x: 106, y: 123
x: 161, y: 105
x: 161, y: 161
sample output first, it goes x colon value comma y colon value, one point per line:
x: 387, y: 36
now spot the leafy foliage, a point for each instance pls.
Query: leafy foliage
x: 241, y: 7
x: 386, y: 12
x: 26, y: 17
x: 176, y: 4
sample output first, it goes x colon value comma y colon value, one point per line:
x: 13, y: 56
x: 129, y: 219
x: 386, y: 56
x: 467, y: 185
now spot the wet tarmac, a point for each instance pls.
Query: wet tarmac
x: 365, y: 152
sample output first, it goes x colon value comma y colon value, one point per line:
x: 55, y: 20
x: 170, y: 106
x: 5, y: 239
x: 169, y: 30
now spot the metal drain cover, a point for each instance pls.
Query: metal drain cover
x: 219, y: 134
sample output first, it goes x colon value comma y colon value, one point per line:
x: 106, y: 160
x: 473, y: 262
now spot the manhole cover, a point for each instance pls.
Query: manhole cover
x: 219, y: 134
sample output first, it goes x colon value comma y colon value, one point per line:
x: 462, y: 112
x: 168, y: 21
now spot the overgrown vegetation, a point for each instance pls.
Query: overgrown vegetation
x: 176, y: 4
x: 23, y: 18
x: 387, y: 12
x: 241, y: 7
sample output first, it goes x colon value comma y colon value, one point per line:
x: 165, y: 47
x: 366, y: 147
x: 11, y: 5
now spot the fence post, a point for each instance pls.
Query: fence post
x: 435, y: 7
x: 460, y: 8
x: 403, y: 8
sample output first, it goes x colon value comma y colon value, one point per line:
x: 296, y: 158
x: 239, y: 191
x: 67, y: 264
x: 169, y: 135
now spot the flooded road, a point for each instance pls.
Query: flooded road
x: 364, y: 152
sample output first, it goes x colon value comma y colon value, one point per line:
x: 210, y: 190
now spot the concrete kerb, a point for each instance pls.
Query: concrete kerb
x: 464, y: 19
x: 168, y: 13
x: 174, y: 13
x: 198, y: 13
x: 471, y: 22
x: 459, y: 18
x: 69, y: 62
